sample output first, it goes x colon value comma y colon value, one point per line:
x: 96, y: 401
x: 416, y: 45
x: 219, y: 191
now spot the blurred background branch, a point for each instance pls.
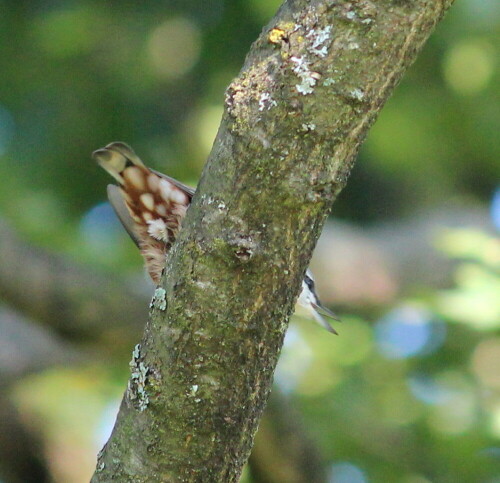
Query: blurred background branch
x: 21, y: 449
x: 283, y: 451
x: 25, y: 349
x: 73, y: 300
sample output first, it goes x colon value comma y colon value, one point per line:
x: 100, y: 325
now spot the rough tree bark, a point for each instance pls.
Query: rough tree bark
x: 294, y: 119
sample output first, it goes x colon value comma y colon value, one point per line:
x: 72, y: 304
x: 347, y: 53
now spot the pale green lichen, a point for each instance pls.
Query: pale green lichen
x: 266, y: 102
x: 307, y: 127
x: 159, y: 300
x: 194, y: 390
x: 357, y: 94
x: 136, y: 389
x: 315, y: 43
x: 136, y: 353
x: 319, y: 39
x: 307, y: 77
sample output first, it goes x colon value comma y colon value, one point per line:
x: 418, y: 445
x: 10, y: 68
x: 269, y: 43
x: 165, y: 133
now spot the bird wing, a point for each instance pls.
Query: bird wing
x: 187, y: 189
x: 326, y: 312
x: 120, y: 208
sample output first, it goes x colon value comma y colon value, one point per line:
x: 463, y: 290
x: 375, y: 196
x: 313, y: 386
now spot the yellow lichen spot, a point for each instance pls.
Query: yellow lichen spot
x: 276, y: 35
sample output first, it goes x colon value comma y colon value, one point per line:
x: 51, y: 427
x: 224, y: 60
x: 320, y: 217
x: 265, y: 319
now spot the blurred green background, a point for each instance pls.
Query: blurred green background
x: 410, y: 390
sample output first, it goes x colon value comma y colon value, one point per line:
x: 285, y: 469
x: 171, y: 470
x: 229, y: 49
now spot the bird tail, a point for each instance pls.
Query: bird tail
x: 319, y: 315
x: 323, y: 322
x: 115, y: 157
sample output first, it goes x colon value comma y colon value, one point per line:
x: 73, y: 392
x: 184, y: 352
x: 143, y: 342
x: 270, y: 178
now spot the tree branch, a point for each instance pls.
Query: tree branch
x: 21, y: 459
x: 283, y: 452
x: 74, y: 301
x: 27, y: 348
x: 311, y: 86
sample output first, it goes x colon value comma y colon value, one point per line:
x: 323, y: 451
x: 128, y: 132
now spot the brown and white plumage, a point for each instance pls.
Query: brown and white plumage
x: 151, y: 207
x: 149, y: 204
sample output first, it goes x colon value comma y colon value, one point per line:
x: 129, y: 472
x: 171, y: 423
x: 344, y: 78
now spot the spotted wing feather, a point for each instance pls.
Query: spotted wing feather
x: 185, y: 188
x: 150, y: 205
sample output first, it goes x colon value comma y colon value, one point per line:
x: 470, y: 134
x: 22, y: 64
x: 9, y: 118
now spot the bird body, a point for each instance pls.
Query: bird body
x: 151, y: 207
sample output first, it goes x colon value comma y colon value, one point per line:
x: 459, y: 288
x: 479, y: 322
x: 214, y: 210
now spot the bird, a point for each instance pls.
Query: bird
x: 151, y: 206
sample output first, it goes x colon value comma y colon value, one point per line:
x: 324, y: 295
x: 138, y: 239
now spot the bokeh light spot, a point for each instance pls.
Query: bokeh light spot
x: 469, y: 66
x: 486, y: 362
x: 475, y: 302
x: 408, y: 331
x: 346, y: 473
x: 174, y: 47
x: 495, y: 209
x: 101, y: 230
x: 458, y: 413
x: 471, y: 244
